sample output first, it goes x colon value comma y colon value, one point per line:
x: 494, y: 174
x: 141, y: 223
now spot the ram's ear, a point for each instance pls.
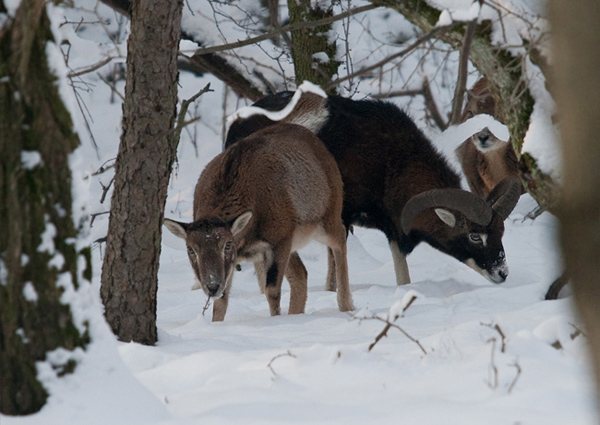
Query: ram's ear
x: 240, y: 223
x: 175, y: 227
x: 446, y: 216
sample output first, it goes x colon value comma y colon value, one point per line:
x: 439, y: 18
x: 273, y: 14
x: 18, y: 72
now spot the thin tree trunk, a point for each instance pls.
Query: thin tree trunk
x: 307, y: 42
x: 143, y: 168
x: 272, y: 21
x: 463, y: 68
x: 37, y: 250
x: 577, y: 90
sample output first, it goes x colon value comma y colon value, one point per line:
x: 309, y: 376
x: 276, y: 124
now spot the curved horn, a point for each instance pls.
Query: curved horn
x: 472, y: 206
x: 504, y: 197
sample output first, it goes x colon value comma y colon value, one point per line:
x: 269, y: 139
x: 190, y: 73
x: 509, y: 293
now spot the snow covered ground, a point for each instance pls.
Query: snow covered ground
x: 494, y: 354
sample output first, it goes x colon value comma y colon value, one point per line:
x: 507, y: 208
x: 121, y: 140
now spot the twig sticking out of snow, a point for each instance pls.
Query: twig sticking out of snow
x: 493, y: 378
x: 387, y: 328
x: 406, y: 302
x: 496, y: 327
x: 399, y: 307
x: 286, y: 354
x: 206, y: 305
x: 512, y: 385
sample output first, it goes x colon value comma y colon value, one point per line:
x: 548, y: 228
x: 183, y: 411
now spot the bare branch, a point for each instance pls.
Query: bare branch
x: 112, y: 86
x: 493, y: 378
x: 283, y: 30
x: 398, y: 93
x: 105, y: 189
x: 430, y: 103
x: 121, y: 6
x: 432, y: 106
x: 463, y: 67
x: 496, y: 327
x: 175, y: 133
x: 206, y: 305
x: 221, y: 69
x: 514, y: 382
x: 93, y: 218
x: 103, y: 169
x: 387, y: 327
x: 270, y: 365
x: 382, y: 62
x: 90, y: 69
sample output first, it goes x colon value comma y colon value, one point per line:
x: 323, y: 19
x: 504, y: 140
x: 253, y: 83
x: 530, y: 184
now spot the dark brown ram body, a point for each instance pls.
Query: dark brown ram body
x: 260, y: 201
x: 395, y: 181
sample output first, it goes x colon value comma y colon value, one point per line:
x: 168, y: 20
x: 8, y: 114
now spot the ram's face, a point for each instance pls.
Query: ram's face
x: 465, y: 226
x: 479, y: 247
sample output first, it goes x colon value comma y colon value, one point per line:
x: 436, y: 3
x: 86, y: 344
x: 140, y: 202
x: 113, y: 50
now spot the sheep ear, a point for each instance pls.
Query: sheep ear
x: 241, y: 222
x: 175, y: 227
x: 446, y: 216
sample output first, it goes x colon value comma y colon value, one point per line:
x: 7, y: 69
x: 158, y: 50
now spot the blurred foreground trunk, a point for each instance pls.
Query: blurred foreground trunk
x: 577, y: 91
x: 38, y: 252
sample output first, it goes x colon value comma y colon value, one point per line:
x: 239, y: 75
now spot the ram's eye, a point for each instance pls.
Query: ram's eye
x: 227, y: 246
x: 475, y: 237
x: 191, y: 251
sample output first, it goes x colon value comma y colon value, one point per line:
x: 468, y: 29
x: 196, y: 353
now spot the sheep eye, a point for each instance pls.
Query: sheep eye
x: 475, y: 237
x: 227, y: 246
x: 191, y: 251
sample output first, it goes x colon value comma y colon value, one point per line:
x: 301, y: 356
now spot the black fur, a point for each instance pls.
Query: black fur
x: 272, y: 275
x: 375, y: 190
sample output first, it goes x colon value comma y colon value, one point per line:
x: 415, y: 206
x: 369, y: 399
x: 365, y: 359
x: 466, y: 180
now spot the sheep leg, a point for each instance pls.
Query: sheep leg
x: 297, y: 276
x: 400, y: 264
x: 330, y: 283
x: 275, y: 272
x: 260, y: 267
x: 337, y: 245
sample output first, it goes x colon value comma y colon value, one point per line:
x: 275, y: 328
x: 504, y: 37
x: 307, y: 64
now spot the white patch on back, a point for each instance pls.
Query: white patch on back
x: 314, y: 119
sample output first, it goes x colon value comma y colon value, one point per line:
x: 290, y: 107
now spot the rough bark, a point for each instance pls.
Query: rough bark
x: 34, y: 200
x: 143, y: 168
x: 508, y: 86
x: 577, y: 90
x: 306, y: 42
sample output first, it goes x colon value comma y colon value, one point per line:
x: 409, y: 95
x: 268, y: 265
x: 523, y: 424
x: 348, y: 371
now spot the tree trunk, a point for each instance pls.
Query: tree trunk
x: 507, y: 85
x: 272, y: 20
x: 38, y: 256
x: 307, y: 42
x: 143, y: 168
x: 576, y: 33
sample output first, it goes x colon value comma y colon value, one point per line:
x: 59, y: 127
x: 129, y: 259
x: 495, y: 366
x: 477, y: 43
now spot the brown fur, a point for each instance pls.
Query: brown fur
x: 486, y: 163
x: 291, y: 185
